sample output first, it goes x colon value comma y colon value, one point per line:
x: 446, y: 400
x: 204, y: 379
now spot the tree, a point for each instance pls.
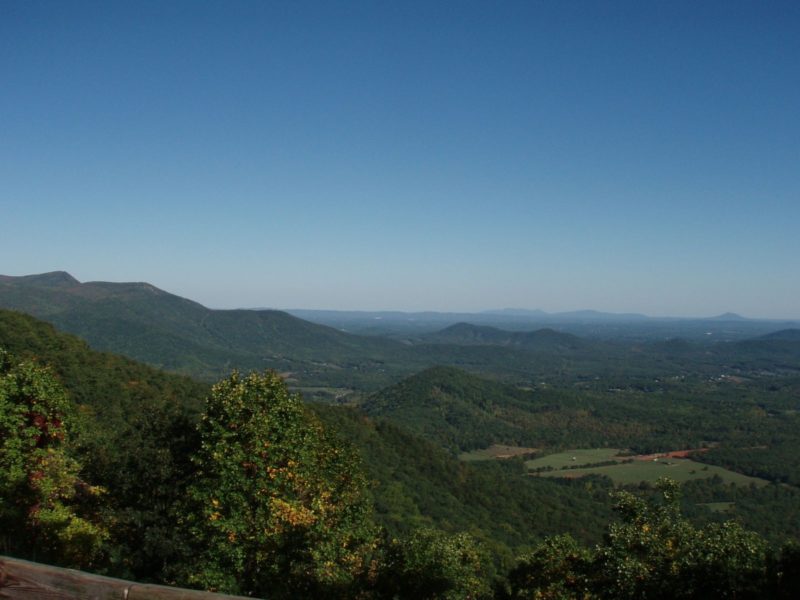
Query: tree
x: 651, y: 553
x: 556, y: 570
x: 41, y: 494
x: 655, y: 553
x: 787, y: 572
x: 428, y: 563
x: 278, y: 507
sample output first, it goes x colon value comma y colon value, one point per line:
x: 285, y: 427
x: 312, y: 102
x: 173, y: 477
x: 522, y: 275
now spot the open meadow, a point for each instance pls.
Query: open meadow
x: 574, y: 464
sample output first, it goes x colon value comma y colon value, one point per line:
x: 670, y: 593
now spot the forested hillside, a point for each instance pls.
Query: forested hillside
x: 262, y: 499
x: 164, y: 330
x: 137, y: 418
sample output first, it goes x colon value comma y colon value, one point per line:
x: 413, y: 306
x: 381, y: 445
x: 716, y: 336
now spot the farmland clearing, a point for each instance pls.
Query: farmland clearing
x: 622, y: 469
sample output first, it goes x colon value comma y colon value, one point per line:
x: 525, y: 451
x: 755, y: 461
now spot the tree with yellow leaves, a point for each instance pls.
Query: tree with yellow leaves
x: 278, y: 507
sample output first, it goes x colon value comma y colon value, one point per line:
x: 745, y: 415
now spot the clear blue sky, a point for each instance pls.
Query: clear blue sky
x: 621, y: 156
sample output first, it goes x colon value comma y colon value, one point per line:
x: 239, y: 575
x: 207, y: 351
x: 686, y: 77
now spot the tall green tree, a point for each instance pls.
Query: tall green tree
x: 278, y: 506
x: 45, y: 508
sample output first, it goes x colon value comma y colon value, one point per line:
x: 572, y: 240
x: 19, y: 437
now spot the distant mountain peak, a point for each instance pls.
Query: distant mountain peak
x: 52, y: 279
x: 729, y: 316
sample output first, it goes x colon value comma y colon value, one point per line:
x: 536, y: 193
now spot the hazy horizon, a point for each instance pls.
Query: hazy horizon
x: 623, y: 157
x: 475, y: 311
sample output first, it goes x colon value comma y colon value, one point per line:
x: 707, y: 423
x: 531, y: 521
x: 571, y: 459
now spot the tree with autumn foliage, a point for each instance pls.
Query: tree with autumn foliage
x: 45, y: 508
x: 278, y: 507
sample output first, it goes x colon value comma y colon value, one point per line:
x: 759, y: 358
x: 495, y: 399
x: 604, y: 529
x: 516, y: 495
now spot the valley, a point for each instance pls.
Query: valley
x: 514, y: 435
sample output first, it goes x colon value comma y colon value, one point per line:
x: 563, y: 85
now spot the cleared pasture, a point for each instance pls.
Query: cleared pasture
x: 575, y: 458
x: 679, y: 469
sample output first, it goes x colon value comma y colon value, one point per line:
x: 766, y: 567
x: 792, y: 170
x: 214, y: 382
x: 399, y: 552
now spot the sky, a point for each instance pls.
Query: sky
x: 618, y: 156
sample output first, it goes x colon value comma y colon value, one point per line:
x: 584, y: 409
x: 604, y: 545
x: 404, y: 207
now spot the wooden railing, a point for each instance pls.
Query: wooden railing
x: 33, y: 581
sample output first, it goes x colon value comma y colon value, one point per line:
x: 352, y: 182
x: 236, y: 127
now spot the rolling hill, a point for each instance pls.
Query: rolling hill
x: 461, y: 411
x: 547, y: 340
x: 454, y: 409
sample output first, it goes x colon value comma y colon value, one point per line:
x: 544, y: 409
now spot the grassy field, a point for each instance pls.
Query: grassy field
x: 575, y: 458
x: 495, y: 451
x: 679, y: 469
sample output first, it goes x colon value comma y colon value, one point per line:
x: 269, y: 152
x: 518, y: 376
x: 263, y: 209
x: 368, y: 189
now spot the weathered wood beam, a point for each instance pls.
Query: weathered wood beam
x: 33, y: 581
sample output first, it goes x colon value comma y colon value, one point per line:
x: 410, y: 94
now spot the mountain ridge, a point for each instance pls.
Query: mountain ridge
x: 168, y: 331
x: 51, y: 278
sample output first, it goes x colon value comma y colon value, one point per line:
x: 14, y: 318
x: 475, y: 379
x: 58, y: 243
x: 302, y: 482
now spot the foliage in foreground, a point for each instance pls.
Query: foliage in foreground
x: 45, y: 508
x: 654, y: 553
x: 277, y: 505
x: 428, y: 563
